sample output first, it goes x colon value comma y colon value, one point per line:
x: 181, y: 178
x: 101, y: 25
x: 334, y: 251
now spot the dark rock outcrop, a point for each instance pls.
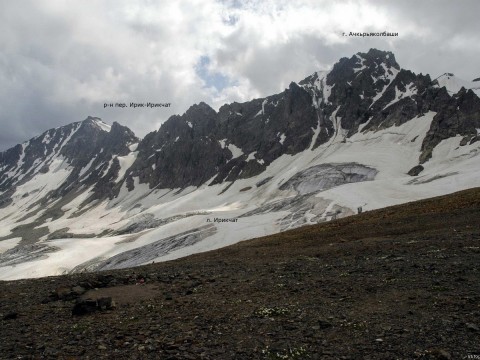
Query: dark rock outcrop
x: 190, y: 149
x: 456, y: 115
x: 416, y: 170
x: 89, y: 306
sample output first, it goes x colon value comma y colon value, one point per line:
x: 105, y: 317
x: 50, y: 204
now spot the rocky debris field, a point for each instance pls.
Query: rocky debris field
x: 396, y: 283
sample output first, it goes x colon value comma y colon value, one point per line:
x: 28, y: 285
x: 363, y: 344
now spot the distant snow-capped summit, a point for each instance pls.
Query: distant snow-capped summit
x: 453, y: 84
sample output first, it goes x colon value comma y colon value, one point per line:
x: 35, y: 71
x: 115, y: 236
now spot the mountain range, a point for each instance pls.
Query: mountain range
x: 366, y: 134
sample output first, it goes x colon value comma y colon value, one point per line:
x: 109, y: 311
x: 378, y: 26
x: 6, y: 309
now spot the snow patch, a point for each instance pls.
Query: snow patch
x: 389, y: 75
x: 410, y: 90
x: 103, y: 126
x: 86, y: 168
x: 453, y: 84
x: 125, y: 163
x: 9, y: 244
x: 361, y: 62
x: 46, y: 139
x: 251, y: 156
x: 236, y: 151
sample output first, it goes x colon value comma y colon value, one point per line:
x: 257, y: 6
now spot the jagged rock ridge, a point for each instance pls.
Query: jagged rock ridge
x: 369, y: 89
x: 365, y: 134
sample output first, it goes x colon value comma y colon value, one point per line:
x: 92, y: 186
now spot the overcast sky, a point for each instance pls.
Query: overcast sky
x: 60, y: 61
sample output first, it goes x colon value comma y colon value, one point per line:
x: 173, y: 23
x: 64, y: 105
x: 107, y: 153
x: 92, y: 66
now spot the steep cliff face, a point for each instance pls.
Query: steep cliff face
x: 184, y: 152
x: 368, y: 92
x: 456, y: 115
x: 237, y: 142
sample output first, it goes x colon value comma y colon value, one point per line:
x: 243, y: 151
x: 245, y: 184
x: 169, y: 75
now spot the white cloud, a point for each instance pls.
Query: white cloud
x: 61, y: 60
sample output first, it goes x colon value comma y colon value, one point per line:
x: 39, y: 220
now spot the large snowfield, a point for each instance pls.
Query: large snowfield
x: 176, y: 222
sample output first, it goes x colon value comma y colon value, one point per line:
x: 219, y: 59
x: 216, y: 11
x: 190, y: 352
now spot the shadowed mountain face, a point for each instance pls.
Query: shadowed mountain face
x: 324, y: 147
x: 368, y: 89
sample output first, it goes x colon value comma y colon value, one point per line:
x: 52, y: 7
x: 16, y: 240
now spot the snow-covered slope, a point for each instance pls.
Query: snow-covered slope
x: 453, y: 84
x: 367, y: 134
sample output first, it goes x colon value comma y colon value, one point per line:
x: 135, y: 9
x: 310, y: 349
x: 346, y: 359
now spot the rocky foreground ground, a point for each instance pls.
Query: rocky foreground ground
x: 397, y: 283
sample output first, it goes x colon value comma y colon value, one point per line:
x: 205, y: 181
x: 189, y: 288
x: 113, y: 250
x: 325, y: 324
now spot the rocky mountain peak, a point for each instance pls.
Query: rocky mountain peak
x: 199, y: 113
x: 375, y: 62
x: 378, y: 57
x: 92, y: 119
x: 122, y: 132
